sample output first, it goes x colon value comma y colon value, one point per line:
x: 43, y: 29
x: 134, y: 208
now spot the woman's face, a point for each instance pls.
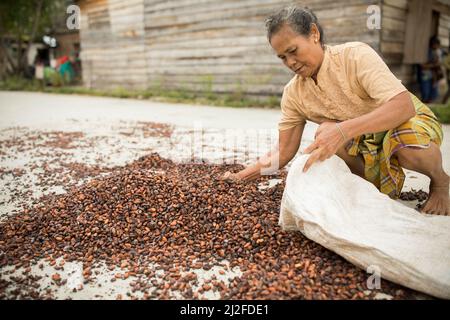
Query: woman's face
x: 301, y: 54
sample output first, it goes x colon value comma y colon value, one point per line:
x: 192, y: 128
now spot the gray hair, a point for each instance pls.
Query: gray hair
x: 299, y: 19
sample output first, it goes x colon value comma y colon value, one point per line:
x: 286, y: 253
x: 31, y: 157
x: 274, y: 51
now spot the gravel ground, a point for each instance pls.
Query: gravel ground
x: 53, y: 144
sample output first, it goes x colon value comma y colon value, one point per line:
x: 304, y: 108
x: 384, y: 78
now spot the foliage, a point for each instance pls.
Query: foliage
x: 442, y: 112
x: 25, y: 21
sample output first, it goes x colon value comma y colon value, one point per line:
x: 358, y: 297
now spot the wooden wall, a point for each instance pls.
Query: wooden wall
x: 202, y: 45
x: 393, y: 26
x: 112, y: 43
x: 444, y: 30
x: 222, y: 46
x: 66, y: 43
x: 394, y: 16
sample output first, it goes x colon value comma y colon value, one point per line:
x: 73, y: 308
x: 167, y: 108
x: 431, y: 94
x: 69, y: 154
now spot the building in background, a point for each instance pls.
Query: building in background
x: 221, y: 46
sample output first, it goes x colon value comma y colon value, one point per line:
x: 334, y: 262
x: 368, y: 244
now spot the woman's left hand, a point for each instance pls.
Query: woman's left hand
x: 328, y: 140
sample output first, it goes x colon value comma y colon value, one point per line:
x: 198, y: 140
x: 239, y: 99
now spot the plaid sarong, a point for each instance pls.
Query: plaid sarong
x: 378, y: 150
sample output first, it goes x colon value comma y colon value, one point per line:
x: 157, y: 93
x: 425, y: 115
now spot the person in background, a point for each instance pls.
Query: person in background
x: 430, y: 73
x: 65, y: 69
x: 446, y: 65
x: 76, y: 61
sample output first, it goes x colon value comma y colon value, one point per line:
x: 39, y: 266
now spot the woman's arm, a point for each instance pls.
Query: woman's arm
x: 288, y: 144
x: 393, y: 113
x: 390, y: 115
x: 374, y: 76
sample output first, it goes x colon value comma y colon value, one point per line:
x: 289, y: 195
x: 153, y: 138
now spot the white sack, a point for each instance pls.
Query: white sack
x: 349, y: 216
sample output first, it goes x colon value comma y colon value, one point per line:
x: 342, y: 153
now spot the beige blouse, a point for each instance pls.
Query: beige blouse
x: 352, y: 81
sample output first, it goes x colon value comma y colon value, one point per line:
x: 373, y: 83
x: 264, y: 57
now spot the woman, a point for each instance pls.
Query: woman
x: 366, y: 116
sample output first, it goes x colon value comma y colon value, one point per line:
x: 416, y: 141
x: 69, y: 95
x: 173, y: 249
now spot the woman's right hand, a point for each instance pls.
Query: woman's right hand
x: 289, y: 142
x: 231, y: 177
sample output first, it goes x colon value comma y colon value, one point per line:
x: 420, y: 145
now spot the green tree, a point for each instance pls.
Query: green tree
x: 22, y: 22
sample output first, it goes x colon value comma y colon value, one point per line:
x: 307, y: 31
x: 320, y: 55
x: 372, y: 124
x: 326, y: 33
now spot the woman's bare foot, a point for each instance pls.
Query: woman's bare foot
x: 438, y: 201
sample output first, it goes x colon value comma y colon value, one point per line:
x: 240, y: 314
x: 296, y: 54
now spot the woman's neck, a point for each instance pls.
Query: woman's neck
x: 314, y: 76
